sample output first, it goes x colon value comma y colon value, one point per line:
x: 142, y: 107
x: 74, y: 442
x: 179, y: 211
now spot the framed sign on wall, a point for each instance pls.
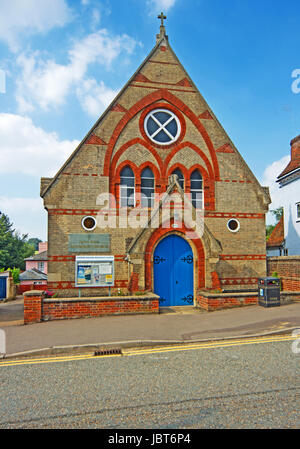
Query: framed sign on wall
x: 94, y: 271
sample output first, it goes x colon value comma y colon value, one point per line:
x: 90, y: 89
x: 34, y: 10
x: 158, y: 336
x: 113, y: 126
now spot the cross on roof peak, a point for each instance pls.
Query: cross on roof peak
x: 162, y: 17
x: 162, y: 31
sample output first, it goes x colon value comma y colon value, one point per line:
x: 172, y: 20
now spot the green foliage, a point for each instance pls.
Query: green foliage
x: 16, y: 275
x: 269, y: 230
x: 277, y: 213
x: 34, y: 242
x: 14, y: 248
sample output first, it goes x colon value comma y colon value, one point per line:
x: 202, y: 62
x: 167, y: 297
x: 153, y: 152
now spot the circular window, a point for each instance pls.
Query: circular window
x: 162, y: 126
x: 233, y: 225
x: 88, y: 223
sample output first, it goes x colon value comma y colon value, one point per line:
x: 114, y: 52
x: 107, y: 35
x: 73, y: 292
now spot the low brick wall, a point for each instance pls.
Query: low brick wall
x: 37, y: 308
x: 217, y: 301
x: 288, y: 269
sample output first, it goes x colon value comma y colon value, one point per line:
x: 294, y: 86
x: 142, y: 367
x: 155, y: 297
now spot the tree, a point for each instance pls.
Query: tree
x: 277, y: 213
x: 34, y: 242
x: 14, y: 248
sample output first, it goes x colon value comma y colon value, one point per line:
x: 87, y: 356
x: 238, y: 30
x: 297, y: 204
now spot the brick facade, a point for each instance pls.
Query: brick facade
x: 288, y: 269
x: 38, y: 309
x: 222, y: 258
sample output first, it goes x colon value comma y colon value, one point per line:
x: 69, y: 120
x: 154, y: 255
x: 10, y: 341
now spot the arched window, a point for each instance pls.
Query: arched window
x: 197, y: 189
x: 127, y: 187
x: 147, y: 187
x: 178, y: 172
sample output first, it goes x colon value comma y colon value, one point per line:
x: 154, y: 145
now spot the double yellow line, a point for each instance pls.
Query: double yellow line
x: 156, y: 350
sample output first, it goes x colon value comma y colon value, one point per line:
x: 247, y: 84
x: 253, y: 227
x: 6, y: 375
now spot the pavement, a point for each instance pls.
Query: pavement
x: 177, y: 325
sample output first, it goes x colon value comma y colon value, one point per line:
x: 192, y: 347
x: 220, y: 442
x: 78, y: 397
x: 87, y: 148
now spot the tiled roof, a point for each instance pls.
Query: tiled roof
x: 33, y: 275
x: 39, y: 256
x: 294, y: 163
x: 277, y: 236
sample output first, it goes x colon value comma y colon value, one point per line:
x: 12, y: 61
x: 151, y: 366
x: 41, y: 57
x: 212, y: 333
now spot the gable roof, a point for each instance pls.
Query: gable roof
x: 33, y: 275
x: 162, y: 41
x: 277, y: 236
x: 40, y: 256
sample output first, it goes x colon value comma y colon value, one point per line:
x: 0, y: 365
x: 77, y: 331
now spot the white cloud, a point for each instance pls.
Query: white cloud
x: 30, y: 16
x: 269, y: 179
x: 27, y: 149
x: 161, y: 5
x: 27, y: 215
x: 46, y: 84
x: 95, y: 98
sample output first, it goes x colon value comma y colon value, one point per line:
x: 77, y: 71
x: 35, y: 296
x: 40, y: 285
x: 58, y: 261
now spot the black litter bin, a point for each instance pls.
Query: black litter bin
x: 269, y: 292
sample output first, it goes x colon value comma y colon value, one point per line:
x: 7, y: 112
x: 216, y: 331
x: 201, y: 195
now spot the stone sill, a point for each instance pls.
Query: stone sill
x: 283, y: 258
x: 104, y: 298
x: 227, y: 295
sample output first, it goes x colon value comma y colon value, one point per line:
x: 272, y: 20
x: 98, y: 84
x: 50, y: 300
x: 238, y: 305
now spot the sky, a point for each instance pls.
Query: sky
x: 62, y: 62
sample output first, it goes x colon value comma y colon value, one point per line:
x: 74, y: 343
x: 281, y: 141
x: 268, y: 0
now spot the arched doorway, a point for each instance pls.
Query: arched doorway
x: 173, y: 268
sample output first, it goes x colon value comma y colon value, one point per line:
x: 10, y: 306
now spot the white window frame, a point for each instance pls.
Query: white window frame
x: 162, y: 127
x: 123, y: 197
x: 298, y: 211
x: 41, y: 266
x: 238, y: 227
x: 84, y: 227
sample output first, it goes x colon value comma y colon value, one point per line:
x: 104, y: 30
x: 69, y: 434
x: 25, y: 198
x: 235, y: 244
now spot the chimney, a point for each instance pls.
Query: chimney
x: 295, y: 149
x: 43, y: 246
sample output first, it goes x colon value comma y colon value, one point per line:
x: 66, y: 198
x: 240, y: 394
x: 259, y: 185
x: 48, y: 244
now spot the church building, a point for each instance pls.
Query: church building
x: 158, y: 140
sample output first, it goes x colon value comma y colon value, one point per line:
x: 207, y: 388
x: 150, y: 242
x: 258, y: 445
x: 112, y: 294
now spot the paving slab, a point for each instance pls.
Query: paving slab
x: 184, y: 325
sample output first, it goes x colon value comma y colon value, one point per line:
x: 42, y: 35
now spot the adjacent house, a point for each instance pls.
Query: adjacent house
x: 289, y: 181
x: 36, y: 269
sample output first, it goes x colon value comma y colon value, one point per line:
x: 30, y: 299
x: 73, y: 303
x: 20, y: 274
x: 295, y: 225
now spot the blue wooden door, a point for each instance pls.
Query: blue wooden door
x: 2, y: 288
x: 174, y: 272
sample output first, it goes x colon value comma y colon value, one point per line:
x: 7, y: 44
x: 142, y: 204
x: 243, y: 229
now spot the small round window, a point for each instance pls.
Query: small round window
x: 162, y: 126
x: 233, y: 225
x: 88, y: 223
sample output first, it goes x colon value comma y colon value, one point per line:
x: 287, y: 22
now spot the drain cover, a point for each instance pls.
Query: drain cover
x: 108, y: 352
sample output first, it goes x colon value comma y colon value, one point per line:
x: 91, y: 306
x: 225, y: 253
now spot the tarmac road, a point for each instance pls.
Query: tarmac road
x: 244, y: 386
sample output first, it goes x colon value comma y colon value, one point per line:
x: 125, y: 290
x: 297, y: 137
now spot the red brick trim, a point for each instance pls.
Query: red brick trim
x: 94, y: 140
x: 227, y: 148
x: 169, y: 88
x: 243, y: 257
x: 162, y: 62
x: 146, y: 80
x: 205, y: 115
x: 197, y: 150
x: 233, y: 215
x: 118, y: 108
x: 239, y: 281
x: 69, y: 285
x: 162, y: 106
x: 184, y: 82
x: 127, y: 145
x: 141, y: 78
x: 72, y: 258
x: 146, y: 101
x: 209, y: 214
x: 154, y: 239
x: 235, y: 180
